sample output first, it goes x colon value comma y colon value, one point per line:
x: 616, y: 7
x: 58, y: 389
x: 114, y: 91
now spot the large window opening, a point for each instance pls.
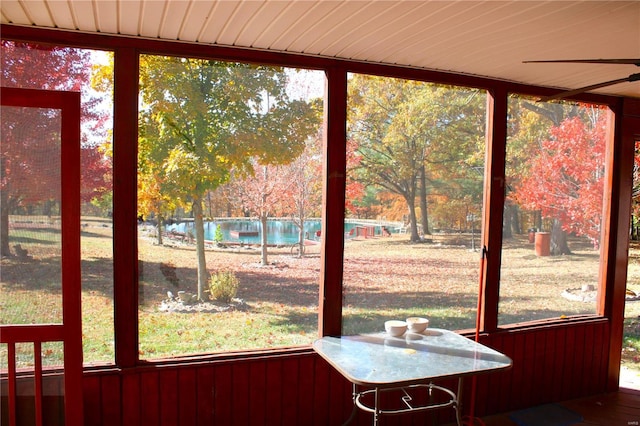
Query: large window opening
x: 415, y: 160
x: 30, y: 203
x: 630, y: 368
x: 555, y: 177
x: 229, y: 198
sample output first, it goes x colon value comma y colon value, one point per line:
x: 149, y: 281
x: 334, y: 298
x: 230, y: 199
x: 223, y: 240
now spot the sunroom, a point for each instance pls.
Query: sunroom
x: 196, y: 193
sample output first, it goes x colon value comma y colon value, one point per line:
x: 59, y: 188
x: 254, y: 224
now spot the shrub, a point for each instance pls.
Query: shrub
x: 223, y: 286
x: 217, y: 236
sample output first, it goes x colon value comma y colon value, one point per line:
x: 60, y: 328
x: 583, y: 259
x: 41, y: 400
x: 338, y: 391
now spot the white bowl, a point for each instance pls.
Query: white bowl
x: 417, y: 324
x: 395, y: 328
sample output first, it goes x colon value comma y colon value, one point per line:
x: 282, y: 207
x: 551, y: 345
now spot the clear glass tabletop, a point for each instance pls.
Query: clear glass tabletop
x: 380, y: 360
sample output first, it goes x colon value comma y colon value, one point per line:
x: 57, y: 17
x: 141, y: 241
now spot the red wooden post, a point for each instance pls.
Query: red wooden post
x: 11, y: 377
x: 37, y: 378
x: 330, y: 303
x: 496, y: 135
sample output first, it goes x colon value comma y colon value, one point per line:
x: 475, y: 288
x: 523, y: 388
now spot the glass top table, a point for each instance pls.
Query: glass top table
x: 379, y: 361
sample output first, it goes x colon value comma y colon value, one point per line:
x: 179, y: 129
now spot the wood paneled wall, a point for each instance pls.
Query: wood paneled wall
x: 550, y: 363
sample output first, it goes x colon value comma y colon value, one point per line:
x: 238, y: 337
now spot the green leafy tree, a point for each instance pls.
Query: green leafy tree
x: 414, y: 138
x: 153, y: 201
x: 526, y: 127
x: 205, y: 118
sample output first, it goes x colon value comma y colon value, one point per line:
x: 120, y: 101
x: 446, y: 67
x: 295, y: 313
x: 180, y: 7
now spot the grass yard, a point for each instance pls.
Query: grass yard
x: 277, y: 305
x: 631, y: 344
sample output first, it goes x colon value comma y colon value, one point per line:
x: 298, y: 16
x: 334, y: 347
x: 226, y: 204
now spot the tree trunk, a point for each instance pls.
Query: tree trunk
x: 263, y: 216
x: 263, y: 248
x: 559, y: 243
x: 507, y: 221
x: 301, y: 237
x: 415, y: 236
x: 538, y: 219
x: 423, y: 202
x: 159, y: 228
x: 517, y: 224
x: 4, y: 226
x: 202, y: 262
x: 4, y: 232
x: 4, y: 214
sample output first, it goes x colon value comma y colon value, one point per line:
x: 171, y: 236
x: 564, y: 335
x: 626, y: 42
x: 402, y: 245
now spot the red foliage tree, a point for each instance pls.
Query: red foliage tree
x: 566, y: 177
x: 354, y: 190
x: 29, y: 135
x: 635, y: 195
x: 96, y: 173
x: 262, y: 194
x: 636, y: 180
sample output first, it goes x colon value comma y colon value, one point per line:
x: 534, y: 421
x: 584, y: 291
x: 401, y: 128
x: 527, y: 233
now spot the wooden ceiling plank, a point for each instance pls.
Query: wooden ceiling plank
x: 129, y: 17
x: 370, y: 15
x: 61, y: 14
x: 541, y: 28
x: 447, y: 26
x: 383, y: 22
x: 431, y: 14
x: 333, y: 15
x: 151, y: 16
x: 243, y: 17
x: 217, y: 20
x: 471, y: 26
x: 274, y: 36
x: 313, y: 12
x: 195, y: 17
x: 13, y: 12
x: 38, y: 13
x: 458, y: 49
x: 82, y: 12
x: 173, y: 19
x: 260, y: 23
x: 106, y: 13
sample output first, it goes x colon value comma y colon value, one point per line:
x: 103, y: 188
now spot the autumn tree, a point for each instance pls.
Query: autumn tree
x: 635, y: 194
x: 529, y: 125
x: 413, y: 136
x: 566, y: 177
x: 213, y: 117
x: 262, y: 193
x: 153, y: 200
x: 354, y: 189
x: 304, y: 195
x: 29, y: 135
x: 526, y: 127
x: 96, y: 165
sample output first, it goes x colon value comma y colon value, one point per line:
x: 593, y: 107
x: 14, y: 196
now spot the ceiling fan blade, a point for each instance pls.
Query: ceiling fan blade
x: 635, y: 62
x: 568, y: 93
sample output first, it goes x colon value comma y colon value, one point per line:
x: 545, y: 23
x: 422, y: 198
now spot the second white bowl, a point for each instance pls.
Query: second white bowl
x: 417, y: 324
